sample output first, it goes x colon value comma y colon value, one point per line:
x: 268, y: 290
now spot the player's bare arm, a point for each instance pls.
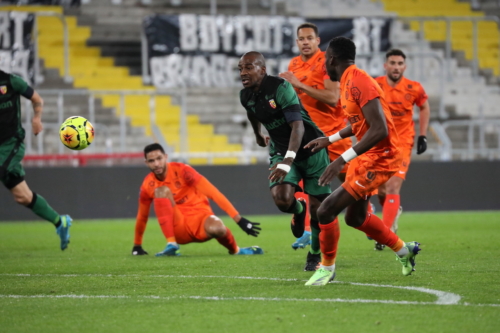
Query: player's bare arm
x: 277, y: 175
x: 36, y: 122
x: 262, y: 140
x: 206, y: 188
x: 323, y: 142
x: 425, y: 115
x: 377, y: 131
x: 329, y: 95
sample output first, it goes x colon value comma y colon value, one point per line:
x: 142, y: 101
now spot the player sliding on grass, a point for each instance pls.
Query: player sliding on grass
x: 373, y: 160
x: 180, y: 196
x: 272, y: 102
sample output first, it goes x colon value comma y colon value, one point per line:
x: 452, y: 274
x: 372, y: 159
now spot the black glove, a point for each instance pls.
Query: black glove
x: 250, y: 228
x: 137, y: 250
x: 421, y: 144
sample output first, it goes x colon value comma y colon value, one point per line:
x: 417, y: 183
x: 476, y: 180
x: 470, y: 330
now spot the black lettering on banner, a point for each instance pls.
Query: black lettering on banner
x: 202, y: 50
x: 17, y: 45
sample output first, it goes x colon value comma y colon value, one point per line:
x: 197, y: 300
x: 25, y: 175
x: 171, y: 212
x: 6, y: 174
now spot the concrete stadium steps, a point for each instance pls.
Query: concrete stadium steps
x: 461, y: 31
x: 226, y: 7
x: 333, y: 8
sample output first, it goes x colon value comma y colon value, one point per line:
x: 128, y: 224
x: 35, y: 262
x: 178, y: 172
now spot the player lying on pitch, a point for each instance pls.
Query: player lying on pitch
x: 180, y: 196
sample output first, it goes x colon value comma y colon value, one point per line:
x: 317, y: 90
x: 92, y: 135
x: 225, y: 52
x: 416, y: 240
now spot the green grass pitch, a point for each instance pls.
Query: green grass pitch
x: 96, y: 285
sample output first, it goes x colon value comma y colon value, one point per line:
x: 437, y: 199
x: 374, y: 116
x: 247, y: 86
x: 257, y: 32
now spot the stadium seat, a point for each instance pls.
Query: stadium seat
x: 92, y: 71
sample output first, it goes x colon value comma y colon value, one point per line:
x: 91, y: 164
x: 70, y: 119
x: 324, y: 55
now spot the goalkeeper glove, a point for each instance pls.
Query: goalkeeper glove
x: 137, y: 250
x: 421, y: 144
x: 250, y: 228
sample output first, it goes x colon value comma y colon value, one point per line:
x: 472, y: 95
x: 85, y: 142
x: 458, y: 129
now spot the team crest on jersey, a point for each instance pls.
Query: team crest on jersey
x: 3, y: 90
x: 408, y: 97
x: 272, y: 103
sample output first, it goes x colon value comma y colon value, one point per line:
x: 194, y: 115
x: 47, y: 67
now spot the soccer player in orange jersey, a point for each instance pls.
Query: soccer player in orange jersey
x: 320, y: 97
x: 401, y: 94
x: 180, y: 197
x: 373, y: 160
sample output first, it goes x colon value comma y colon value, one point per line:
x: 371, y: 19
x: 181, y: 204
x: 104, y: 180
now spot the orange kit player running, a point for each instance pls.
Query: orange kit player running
x: 401, y: 94
x: 320, y: 97
x: 180, y: 196
x: 374, y: 159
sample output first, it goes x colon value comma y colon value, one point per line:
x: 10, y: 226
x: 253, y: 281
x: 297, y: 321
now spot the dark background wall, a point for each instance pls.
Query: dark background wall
x: 103, y: 192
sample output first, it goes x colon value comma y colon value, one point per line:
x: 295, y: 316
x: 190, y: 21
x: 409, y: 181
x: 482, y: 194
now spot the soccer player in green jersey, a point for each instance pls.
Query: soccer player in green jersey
x: 12, y: 134
x: 272, y: 102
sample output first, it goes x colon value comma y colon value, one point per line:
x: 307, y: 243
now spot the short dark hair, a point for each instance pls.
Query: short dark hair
x: 153, y: 147
x: 395, y: 52
x: 343, y: 48
x: 259, y: 58
x: 308, y: 25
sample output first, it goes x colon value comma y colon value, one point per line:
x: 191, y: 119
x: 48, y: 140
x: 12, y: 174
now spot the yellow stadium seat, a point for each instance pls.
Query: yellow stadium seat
x: 92, y: 71
x: 462, y: 33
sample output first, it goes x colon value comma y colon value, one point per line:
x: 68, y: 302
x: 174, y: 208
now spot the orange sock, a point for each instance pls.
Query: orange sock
x: 165, y: 214
x: 228, y: 242
x: 376, y: 229
x: 305, y: 196
x: 329, y: 241
x: 390, y: 209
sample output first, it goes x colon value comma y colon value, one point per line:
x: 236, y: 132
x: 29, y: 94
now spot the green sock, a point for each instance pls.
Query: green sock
x: 40, y: 207
x: 297, y: 208
x: 315, y: 249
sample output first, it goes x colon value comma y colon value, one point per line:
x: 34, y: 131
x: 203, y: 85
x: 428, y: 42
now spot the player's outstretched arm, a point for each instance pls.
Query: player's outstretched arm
x: 262, y: 140
x: 137, y: 250
x: 329, y: 95
x: 36, y: 122
x: 377, y: 131
x: 141, y: 222
x: 425, y: 115
x: 251, y: 228
x: 323, y: 142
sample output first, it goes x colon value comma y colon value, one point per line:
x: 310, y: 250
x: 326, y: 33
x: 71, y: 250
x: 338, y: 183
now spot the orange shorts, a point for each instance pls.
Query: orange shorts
x: 405, y: 164
x: 338, y: 148
x: 189, y: 225
x: 366, y: 174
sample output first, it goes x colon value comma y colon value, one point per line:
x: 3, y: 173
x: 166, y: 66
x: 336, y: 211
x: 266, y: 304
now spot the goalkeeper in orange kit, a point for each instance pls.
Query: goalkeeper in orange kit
x: 180, y: 197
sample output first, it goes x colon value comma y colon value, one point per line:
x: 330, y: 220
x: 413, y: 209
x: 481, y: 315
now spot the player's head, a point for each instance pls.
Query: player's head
x: 395, y: 64
x: 252, y: 68
x: 307, y: 39
x: 156, y: 159
x: 340, y: 50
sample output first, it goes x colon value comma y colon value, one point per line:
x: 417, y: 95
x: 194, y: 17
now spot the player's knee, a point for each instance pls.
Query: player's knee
x: 23, y: 199
x: 325, y: 216
x: 163, y: 192
x: 355, y: 220
x: 283, y: 203
x: 214, y: 227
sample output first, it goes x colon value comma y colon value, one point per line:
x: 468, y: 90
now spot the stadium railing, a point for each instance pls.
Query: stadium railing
x: 36, y: 150
x: 473, y: 150
x: 448, y: 47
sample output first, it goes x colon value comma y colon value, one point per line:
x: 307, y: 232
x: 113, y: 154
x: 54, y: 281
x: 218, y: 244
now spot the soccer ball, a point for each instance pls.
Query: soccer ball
x: 76, y: 133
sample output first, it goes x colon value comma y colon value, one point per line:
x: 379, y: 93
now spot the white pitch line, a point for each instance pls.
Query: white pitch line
x: 218, y: 298
x: 443, y: 298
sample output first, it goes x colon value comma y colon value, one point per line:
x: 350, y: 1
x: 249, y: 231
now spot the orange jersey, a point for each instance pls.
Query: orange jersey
x: 356, y: 89
x: 191, y: 190
x: 313, y: 73
x: 401, y: 99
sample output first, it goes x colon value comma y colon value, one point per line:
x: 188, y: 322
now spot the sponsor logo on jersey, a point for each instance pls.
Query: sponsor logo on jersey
x: 3, y: 90
x: 6, y: 105
x: 272, y: 103
x: 275, y: 124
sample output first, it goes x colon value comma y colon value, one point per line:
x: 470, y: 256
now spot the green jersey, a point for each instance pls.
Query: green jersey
x: 11, y: 89
x: 276, y: 105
